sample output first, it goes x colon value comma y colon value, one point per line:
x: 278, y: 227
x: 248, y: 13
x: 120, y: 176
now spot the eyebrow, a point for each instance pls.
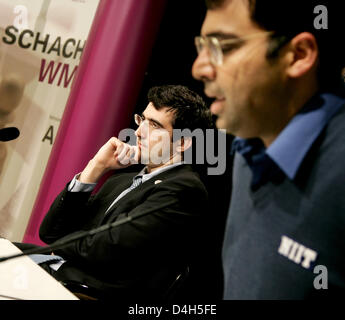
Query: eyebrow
x: 222, y: 35
x: 153, y: 120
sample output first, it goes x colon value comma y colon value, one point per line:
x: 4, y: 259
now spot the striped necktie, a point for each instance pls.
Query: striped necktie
x: 137, y: 180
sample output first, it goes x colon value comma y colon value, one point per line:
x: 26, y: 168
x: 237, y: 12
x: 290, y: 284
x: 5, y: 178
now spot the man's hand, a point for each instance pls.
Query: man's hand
x: 115, y: 154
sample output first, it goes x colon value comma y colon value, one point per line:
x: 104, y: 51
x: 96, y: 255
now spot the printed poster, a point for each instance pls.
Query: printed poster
x: 41, y: 43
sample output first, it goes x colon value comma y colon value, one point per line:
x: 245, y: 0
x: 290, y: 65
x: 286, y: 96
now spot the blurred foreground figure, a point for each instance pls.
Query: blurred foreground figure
x: 274, y: 70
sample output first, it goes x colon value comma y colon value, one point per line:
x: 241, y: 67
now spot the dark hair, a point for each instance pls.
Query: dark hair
x: 188, y: 107
x: 290, y: 17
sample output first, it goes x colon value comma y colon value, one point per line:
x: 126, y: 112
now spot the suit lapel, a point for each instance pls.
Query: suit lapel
x: 131, y: 198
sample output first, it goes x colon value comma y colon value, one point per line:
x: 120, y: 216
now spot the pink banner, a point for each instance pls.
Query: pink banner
x: 103, y: 95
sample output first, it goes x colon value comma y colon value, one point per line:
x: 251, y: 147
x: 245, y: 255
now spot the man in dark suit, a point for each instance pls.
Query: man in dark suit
x: 141, y: 258
x: 274, y: 70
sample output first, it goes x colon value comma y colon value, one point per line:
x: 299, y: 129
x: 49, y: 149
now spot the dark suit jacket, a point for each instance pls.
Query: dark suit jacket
x: 137, y: 259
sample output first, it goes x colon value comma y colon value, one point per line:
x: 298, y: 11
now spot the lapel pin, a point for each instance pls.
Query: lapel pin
x: 158, y: 181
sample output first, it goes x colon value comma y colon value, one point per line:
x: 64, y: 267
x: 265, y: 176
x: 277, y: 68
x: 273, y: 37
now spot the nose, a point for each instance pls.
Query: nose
x: 141, y: 132
x: 137, y: 132
x: 202, y: 68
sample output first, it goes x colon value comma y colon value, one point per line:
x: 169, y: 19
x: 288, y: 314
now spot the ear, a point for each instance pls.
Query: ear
x: 303, y: 55
x: 183, y: 144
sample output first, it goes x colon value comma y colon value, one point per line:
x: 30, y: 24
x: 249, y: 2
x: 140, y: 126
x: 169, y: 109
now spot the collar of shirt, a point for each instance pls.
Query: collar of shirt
x: 147, y: 176
x: 291, y: 146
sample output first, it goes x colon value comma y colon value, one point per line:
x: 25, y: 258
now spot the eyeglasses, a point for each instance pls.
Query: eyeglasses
x: 139, y: 120
x: 217, y: 47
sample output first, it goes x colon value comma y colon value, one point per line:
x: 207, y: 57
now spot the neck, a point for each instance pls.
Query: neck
x: 292, y: 104
x: 174, y: 159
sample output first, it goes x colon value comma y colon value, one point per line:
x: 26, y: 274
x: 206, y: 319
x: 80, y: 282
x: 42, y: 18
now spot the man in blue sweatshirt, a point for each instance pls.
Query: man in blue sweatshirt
x: 274, y: 69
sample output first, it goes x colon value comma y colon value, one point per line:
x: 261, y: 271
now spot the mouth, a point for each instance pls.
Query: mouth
x: 217, y: 106
x: 217, y: 100
x: 140, y: 145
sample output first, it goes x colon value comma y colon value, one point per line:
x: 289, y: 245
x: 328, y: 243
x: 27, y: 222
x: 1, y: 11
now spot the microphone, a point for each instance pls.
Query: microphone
x: 8, y: 134
x: 82, y: 234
